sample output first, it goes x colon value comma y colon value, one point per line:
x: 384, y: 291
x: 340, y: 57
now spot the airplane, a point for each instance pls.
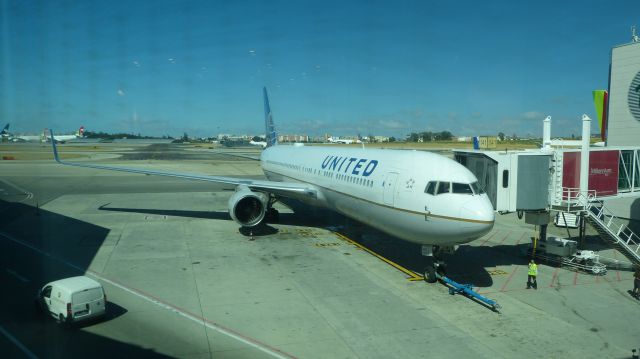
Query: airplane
x: 258, y: 143
x: 44, y: 137
x: 5, y: 132
x: 6, y: 135
x: 417, y: 196
x: 342, y: 140
x: 63, y: 138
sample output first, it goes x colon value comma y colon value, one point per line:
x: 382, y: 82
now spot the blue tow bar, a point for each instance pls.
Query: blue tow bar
x: 467, y: 289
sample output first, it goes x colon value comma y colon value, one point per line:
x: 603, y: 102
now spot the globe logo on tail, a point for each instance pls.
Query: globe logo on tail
x: 634, y: 97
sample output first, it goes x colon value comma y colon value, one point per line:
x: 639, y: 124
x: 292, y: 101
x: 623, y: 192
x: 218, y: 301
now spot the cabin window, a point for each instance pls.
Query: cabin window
x: 443, y: 187
x: 461, y: 188
x: 431, y: 188
x: 477, y: 189
x: 505, y: 178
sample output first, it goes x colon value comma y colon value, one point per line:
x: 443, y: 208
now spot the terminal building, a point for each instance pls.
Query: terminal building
x: 623, y: 128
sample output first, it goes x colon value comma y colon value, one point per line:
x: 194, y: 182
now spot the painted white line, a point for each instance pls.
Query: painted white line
x: 13, y: 273
x: 251, y: 342
x: 17, y: 343
x: 24, y: 191
x: 202, y: 321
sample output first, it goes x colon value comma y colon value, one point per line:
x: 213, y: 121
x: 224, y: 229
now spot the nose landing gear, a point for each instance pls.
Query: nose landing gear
x: 438, y: 268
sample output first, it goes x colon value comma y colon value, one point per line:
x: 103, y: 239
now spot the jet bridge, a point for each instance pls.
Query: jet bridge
x: 514, y: 181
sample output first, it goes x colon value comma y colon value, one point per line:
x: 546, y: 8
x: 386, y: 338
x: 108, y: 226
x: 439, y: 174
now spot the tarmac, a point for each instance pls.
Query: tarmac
x: 184, y: 282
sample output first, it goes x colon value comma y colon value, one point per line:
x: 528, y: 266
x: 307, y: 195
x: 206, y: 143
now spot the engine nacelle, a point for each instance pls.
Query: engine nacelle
x: 248, y: 208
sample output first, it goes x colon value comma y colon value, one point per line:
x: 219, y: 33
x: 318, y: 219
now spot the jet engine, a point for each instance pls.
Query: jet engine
x: 248, y: 208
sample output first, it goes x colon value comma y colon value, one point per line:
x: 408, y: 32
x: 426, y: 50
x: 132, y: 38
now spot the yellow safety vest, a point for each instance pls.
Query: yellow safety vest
x: 533, y: 269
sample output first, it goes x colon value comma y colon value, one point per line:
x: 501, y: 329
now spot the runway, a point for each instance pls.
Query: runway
x: 183, y: 282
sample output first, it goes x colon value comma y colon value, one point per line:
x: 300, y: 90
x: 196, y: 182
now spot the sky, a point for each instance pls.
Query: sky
x: 344, y: 68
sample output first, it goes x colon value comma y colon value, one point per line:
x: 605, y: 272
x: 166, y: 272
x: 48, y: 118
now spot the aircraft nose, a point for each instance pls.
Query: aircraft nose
x: 480, y: 213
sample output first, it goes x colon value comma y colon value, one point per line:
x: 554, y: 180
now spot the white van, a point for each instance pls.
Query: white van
x: 73, y: 299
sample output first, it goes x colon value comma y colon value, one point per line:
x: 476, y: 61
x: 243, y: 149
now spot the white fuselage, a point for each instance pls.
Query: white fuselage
x: 64, y: 137
x: 386, y: 190
x: 262, y: 144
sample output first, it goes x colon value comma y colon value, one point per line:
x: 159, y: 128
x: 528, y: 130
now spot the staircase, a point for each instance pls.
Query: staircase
x: 555, y: 184
x: 613, y: 230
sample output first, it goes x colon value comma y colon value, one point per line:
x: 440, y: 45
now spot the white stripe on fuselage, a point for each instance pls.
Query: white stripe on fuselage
x: 385, y: 189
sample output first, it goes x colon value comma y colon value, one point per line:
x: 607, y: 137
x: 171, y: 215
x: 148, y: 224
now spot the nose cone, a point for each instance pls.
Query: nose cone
x: 480, y: 215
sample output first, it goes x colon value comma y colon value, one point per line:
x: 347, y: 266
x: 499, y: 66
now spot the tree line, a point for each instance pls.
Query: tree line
x: 429, y: 136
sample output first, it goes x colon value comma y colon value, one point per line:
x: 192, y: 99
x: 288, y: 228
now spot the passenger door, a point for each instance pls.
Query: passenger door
x: 390, y: 188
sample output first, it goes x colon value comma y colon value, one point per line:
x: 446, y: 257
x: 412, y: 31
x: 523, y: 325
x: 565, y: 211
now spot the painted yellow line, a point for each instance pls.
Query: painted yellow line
x: 413, y: 276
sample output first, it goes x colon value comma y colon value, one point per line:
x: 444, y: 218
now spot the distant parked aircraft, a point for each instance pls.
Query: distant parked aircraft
x: 258, y: 143
x: 44, y: 137
x: 342, y: 140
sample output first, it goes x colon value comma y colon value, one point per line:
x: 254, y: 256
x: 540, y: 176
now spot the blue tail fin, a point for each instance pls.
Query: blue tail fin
x: 476, y: 143
x: 5, y: 130
x: 270, y: 128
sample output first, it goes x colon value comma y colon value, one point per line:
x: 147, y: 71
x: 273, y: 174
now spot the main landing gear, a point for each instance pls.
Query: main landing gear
x: 437, y: 268
x: 272, y: 215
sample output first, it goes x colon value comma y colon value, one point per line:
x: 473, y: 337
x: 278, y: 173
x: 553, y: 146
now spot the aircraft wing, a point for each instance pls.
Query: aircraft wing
x: 284, y: 189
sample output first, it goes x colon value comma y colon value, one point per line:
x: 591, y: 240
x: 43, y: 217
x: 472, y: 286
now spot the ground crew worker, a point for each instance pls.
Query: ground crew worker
x: 533, y: 273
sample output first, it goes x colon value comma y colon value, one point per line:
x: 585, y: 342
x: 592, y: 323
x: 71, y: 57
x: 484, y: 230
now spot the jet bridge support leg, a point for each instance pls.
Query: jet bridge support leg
x: 583, y: 230
x: 543, y: 232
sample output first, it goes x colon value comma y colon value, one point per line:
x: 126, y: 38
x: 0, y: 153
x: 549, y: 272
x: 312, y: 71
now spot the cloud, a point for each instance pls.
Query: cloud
x: 392, y: 124
x: 561, y: 100
x: 533, y: 115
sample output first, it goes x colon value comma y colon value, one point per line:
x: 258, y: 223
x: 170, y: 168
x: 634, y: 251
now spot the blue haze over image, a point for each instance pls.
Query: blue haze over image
x: 337, y: 67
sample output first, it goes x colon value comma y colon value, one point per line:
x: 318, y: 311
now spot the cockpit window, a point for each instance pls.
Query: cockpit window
x: 477, y: 189
x: 46, y: 292
x: 431, y: 188
x: 443, y: 187
x: 463, y: 188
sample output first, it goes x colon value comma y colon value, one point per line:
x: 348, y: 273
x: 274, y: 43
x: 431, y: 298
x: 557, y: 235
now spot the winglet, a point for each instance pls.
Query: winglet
x: 55, y: 149
x: 270, y: 128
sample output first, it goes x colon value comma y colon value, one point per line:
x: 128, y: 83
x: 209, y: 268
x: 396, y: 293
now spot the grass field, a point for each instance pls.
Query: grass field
x: 509, y: 145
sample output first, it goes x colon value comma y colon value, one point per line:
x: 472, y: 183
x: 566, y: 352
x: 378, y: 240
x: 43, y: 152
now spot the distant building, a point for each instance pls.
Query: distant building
x: 293, y: 138
x: 488, y: 142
